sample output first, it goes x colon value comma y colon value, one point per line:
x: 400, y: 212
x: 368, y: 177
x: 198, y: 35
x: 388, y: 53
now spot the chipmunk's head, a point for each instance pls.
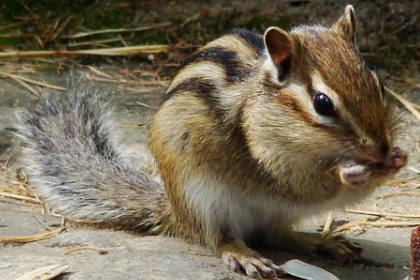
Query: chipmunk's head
x: 318, y: 102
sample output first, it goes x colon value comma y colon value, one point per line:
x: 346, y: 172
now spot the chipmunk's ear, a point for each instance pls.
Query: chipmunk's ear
x: 279, y: 47
x: 346, y: 25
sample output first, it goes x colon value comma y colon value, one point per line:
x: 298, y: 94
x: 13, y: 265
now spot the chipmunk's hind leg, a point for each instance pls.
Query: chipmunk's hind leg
x: 241, y: 259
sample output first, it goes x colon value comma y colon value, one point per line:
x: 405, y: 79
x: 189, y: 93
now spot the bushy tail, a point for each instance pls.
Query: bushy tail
x: 72, y: 162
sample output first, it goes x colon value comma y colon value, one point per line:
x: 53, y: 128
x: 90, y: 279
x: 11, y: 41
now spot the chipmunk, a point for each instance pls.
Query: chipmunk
x: 255, y: 133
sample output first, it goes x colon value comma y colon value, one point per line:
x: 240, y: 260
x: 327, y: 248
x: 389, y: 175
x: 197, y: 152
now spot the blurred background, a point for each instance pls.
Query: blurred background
x: 388, y: 31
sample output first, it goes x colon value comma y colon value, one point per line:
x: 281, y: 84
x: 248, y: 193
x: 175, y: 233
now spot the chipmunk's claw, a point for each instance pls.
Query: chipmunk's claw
x: 353, y: 173
x: 255, y: 267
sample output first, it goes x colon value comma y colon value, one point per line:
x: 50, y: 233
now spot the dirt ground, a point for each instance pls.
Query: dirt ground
x: 130, y: 256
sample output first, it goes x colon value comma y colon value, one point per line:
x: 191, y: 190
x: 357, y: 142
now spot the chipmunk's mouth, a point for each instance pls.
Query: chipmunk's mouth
x: 354, y: 172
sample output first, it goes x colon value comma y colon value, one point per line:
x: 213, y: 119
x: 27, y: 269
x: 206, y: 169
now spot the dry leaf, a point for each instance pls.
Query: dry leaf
x: 45, y: 273
x: 306, y: 271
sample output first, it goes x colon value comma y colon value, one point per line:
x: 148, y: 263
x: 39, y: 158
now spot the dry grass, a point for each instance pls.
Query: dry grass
x: 121, y: 51
x: 118, y: 30
x: 86, y: 248
x: 410, y: 106
x: 31, y: 81
x: 30, y: 238
x: 381, y: 220
x: 382, y: 214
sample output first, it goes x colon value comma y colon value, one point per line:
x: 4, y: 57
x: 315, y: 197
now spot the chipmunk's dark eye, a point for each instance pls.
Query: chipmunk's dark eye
x: 324, y: 106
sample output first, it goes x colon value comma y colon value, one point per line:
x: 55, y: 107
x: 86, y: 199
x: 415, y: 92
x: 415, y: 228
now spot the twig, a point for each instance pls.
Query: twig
x: 29, y: 238
x: 20, y: 197
x: 99, y: 73
x: 28, y: 87
x: 372, y: 224
x: 118, y: 30
x: 124, y: 42
x: 372, y: 213
x: 12, y: 25
x: 404, y: 26
x: 327, y: 225
x: 93, y: 43
x: 128, y: 82
x: 132, y: 125
x: 41, y: 84
x: 192, y: 18
x: 385, y: 196
x: 39, y: 222
x: 16, y: 35
x: 121, y: 51
x: 409, y: 81
x: 146, y: 105
x: 392, y: 224
x: 415, y: 170
x: 409, y: 105
x: 60, y: 29
x: 345, y: 227
x: 401, y: 181
x: 74, y: 250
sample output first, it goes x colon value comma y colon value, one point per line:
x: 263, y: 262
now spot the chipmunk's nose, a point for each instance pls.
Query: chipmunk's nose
x: 384, y: 149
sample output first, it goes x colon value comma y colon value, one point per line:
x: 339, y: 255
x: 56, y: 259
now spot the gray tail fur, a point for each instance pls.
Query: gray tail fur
x: 72, y: 162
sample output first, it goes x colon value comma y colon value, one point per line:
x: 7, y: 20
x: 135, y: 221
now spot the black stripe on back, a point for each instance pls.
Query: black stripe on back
x: 234, y: 69
x: 253, y: 40
x: 204, y: 89
x: 198, y: 85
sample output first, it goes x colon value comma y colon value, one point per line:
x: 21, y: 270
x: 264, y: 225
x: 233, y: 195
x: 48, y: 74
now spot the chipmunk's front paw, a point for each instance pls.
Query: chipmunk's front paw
x: 254, y: 266
x: 396, y: 161
x: 353, y: 173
